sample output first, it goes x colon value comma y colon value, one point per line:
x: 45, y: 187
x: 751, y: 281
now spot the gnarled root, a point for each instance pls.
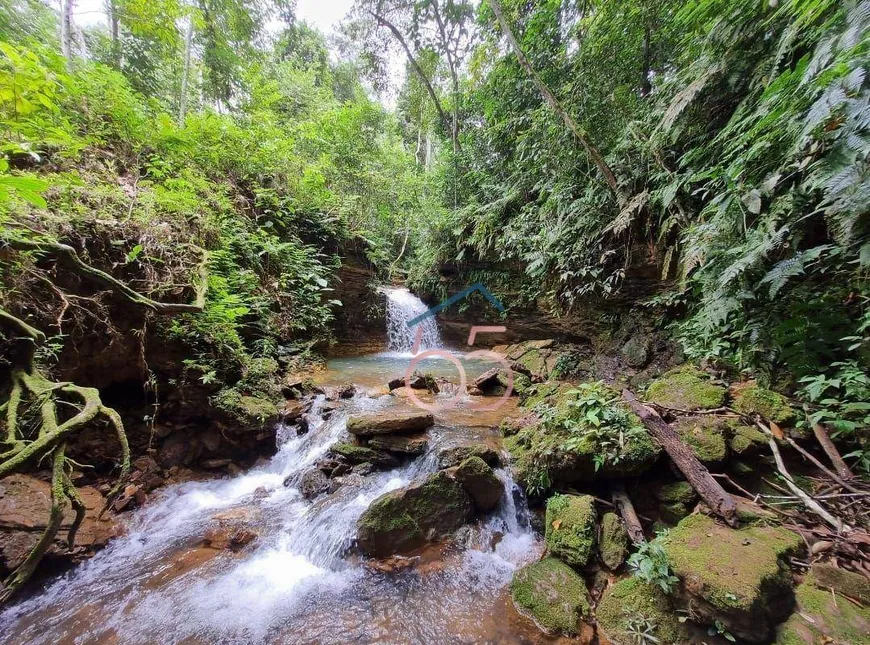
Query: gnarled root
x: 29, y: 385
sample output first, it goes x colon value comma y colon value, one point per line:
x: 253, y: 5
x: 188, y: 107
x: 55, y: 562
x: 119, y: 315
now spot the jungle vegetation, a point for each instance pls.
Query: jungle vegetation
x: 226, y: 154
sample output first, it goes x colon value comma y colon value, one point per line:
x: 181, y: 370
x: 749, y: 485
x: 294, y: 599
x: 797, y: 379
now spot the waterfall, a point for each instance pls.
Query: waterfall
x: 402, y: 306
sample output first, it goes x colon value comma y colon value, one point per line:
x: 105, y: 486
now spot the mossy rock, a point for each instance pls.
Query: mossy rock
x: 570, y: 528
x: 686, y: 388
x: 673, y: 512
x: 533, y: 360
x: 247, y: 410
x: 736, y: 576
x: 362, y: 454
x: 539, y: 393
x: 405, y: 519
x: 847, y: 583
x: 746, y: 441
x: 822, y: 617
x: 613, y: 541
x: 636, y: 351
x: 680, y: 491
x: 479, y: 481
x: 455, y: 455
x: 633, y: 598
x: 705, y: 436
x: 553, y: 595
x: 750, y: 399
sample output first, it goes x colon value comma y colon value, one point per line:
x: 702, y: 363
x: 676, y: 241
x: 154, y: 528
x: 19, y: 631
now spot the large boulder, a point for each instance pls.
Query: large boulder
x: 389, y: 421
x: 561, y: 447
x: 823, y: 617
x: 479, y: 481
x: 405, y: 519
x: 570, y: 528
x: 737, y: 577
x: 632, y: 598
x: 686, y: 388
x: 313, y: 483
x: 553, y: 595
x: 613, y: 541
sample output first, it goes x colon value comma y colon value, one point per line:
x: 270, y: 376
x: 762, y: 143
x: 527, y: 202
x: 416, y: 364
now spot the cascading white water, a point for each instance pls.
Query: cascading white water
x: 295, y: 583
x: 402, y: 307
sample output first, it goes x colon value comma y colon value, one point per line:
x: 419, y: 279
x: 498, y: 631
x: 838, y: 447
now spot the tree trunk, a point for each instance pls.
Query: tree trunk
x: 442, y: 116
x: 66, y: 31
x: 645, y: 86
x: 553, y: 102
x: 115, y: 26
x: 695, y: 472
x: 185, y: 75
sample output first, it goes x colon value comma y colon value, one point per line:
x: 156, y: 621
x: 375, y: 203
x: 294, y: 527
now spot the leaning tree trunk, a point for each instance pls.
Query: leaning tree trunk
x: 720, y: 502
x: 550, y: 98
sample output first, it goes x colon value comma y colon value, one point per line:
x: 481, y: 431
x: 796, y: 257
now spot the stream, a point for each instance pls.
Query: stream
x: 300, y: 581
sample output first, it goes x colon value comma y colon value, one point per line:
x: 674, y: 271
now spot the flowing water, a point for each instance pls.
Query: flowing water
x: 402, y: 307
x: 300, y: 581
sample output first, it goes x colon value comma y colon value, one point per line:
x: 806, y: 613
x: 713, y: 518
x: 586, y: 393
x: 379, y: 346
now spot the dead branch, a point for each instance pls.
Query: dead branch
x: 808, y: 501
x: 623, y: 504
x: 695, y: 472
x: 830, y: 449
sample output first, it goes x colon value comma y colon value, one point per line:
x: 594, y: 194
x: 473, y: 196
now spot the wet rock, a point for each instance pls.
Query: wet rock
x: 25, y: 502
x: 636, y: 351
x: 613, y: 541
x: 405, y: 519
x: 686, y: 388
x: 822, y: 617
x: 454, y: 455
x: 313, y: 483
x: 389, y: 422
x: 131, y: 497
x: 416, y: 381
x: 479, y: 481
x: 364, y: 469
x: 633, y: 597
x: 553, y: 595
x: 343, y: 391
x: 293, y: 410
x: 349, y: 481
x: 231, y: 538
x: 403, y: 444
x: 570, y: 528
x: 360, y: 454
x: 706, y: 436
x: 474, y: 391
x: 847, y: 583
x: 736, y: 577
x: 749, y: 399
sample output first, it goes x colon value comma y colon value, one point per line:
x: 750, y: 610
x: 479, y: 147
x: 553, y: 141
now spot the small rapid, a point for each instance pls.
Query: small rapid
x: 299, y: 581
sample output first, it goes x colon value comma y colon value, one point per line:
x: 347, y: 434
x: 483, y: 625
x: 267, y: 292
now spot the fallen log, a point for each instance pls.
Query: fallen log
x: 830, y: 449
x: 623, y: 505
x: 719, y: 501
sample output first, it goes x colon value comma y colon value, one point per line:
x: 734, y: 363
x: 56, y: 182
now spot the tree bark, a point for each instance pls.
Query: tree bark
x: 115, y: 27
x: 185, y: 74
x: 623, y: 505
x: 719, y: 501
x: 442, y: 116
x: 645, y: 86
x: 66, y: 31
x: 553, y: 102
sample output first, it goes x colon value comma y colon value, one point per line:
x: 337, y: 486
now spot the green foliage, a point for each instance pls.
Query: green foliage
x: 594, y: 413
x: 650, y: 564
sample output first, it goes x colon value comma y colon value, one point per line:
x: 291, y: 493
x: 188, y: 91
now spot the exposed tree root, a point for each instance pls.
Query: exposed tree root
x: 31, y: 386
